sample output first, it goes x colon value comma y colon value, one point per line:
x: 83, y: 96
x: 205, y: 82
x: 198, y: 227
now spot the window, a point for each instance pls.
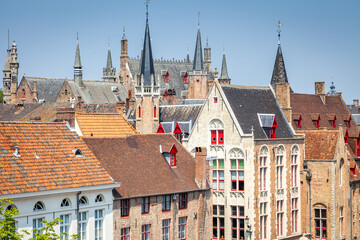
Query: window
x: 125, y: 207
x: 99, y: 198
x: 83, y: 201
x: 320, y: 223
x: 99, y: 220
x: 317, y: 123
x: 273, y: 129
x: 139, y: 111
x: 24, y: 94
x: 167, y: 77
x: 39, y: 206
x: 299, y: 122
x: 82, y: 225
x: 186, y: 78
x: 37, y: 225
x: 218, y: 222
x: 172, y: 159
x: 279, y: 217
x: 237, y: 170
x: 154, y: 111
x: 280, y: 152
x: 166, y: 229
x: 333, y: 122
x: 145, y: 232
x: 237, y: 222
x: 125, y: 234
x: 183, y: 201
x: 294, y: 215
x: 166, y: 203
x: 263, y: 168
x: 217, y: 132
x: 348, y: 124
x: 215, y: 99
x: 341, y: 220
x: 145, y: 205
x: 65, y: 203
x: 294, y: 165
x: 64, y: 226
x: 340, y: 171
x: 218, y: 174
x: 182, y: 228
x: 263, y: 220
x: 346, y: 137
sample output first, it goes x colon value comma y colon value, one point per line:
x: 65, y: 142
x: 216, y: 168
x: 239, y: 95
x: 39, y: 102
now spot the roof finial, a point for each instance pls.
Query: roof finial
x: 124, y: 32
x: 77, y: 36
x: 8, y: 39
x: 279, y: 30
x: 147, y: 10
x: 223, y: 47
x: 199, y: 19
x: 207, y: 40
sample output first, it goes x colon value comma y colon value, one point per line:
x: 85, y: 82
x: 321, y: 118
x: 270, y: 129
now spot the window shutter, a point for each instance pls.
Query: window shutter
x: 221, y: 136
x: 213, y: 136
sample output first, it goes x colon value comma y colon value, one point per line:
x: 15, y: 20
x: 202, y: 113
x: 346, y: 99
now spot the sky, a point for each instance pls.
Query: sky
x: 320, y: 39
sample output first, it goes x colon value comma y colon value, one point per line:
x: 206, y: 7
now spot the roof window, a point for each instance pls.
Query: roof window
x: 169, y: 152
x: 268, y: 123
x: 77, y: 152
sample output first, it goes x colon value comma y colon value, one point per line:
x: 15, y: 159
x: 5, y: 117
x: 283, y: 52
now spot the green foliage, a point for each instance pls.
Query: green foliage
x: 47, y: 232
x: 1, y: 96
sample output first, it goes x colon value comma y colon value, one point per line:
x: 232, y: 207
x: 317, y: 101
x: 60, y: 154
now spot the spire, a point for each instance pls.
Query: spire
x: 224, y: 72
x: 279, y: 31
x: 187, y: 53
x: 77, y: 54
x: 77, y: 65
x: 198, y: 63
x: 109, y: 61
x: 147, y: 64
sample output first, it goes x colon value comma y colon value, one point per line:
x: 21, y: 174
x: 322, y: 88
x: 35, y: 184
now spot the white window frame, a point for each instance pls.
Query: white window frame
x: 83, y: 225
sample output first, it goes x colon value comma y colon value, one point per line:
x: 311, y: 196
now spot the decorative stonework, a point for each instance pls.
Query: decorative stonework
x: 237, y: 194
x: 219, y: 193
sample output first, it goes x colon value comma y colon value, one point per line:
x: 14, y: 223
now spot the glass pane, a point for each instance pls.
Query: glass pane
x: 221, y: 222
x: 241, y: 163
x: 233, y: 211
x: 215, y: 234
x: 221, y: 185
x: 233, y: 223
x: 323, y: 213
x: 222, y: 233
x: 214, y: 222
x: 233, y: 175
x: 242, y: 234
x: 214, y: 210
x: 233, y: 185
x: 221, y: 175
x: 241, y: 186
x: 241, y: 175
x: 221, y: 210
x: 324, y: 223
x: 317, y: 223
x: 324, y: 233
x: 214, y: 174
x: 242, y: 213
x: 233, y: 164
x: 234, y: 234
x: 242, y: 223
x: 317, y: 213
x: 221, y: 163
x: 317, y: 232
x: 215, y: 164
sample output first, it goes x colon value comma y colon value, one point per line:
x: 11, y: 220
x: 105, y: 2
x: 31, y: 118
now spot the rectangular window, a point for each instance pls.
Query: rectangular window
x: 218, y: 222
x: 82, y: 225
x: 213, y: 136
x: 279, y: 217
x: 172, y: 160
x: 262, y: 170
x: 145, y: 232
x: 217, y: 136
x: 279, y: 171
x: 218, y: 175
x: 99, y: 220
x: 166, y: 229
x: 125, y: 207
x: 182, y: 228
x: 320, y: 223
x: 37, y: 224
x: 237, y: 177
x: 294, y: 168
x: 341, y: 220
x: 65, y: 226
x: 125, y: 234
x: 294, y: 215
x: 145, y: 205
x: 237, y: 222
x: 183, y: 201
x: 220, y: 136
x: 263, y: 220
x: 166, y: 203
x: 215, y: 99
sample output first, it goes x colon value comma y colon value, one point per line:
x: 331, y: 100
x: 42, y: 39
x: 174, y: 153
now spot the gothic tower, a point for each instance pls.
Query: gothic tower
x: 147, y: 90
x: 77, y: 67
x: 109, y: 73
x: 207, y: 55
x: 7, y: 77
x: 14, y: 69
x: 124, y: 76
x: 198, y: 77
x: 224, y: 77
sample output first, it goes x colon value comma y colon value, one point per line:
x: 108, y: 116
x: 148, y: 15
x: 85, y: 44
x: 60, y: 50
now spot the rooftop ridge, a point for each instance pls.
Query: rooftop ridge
x: 247, y: 87
x: 27, y: 122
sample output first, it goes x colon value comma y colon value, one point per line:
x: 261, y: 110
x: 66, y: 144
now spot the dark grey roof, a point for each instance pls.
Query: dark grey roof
x: 353, y: 109
x: 47, y: 88
x: 194, y: 101
x: 356, y: 117
x: 198, y: 63
x: 147, y: 64
x: 224, y: 71
x: 77, y: 62
x: 248, y: 102
x: 279, y: 72
x: 179, y: 113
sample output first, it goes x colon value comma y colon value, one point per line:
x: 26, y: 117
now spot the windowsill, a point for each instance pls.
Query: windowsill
x: 145, y: 213
x: 125, y: 216
x: 138, y: 119
x: 182, y: 208
x: 237, y: 190
x: 166, y: 210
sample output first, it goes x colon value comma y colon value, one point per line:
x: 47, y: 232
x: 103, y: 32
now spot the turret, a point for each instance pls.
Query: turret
x: 7, y: 76
x: 207, y: 55
x: 224, y: 77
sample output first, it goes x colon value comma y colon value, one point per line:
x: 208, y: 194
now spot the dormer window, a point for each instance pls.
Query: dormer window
x: 160, y: 129
x: 298, y: 120
x: 169, y: 152
x: 172, y: 159
x: 77, y: 152
x: 333, y: 120
x: 186, y: 78
x: 346, y: 136
x: 318, y: 122
x: 167, y: 77
x: 348, y: 121
x: 178, y: 133
x: 269, y: 124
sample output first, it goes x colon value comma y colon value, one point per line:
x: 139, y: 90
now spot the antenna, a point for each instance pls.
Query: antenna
x: 147, y: 10
x: 279, y: 30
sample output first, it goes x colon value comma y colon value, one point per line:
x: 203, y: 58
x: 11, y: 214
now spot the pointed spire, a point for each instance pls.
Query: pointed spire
x: 187, y: 53
x: 147, y: 63
x: 109, y: 61
x: 198, y: 63
x: 77, y: 53
x: 224, y: 72
x: 77, y: 65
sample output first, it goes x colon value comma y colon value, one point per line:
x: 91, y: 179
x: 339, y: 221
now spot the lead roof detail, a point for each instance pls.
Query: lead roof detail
x: 147, y: 64
x: 198, y: 63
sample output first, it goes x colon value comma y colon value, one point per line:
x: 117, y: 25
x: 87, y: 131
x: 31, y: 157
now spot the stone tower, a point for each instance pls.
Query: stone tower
x: 207, y: 55
x: 14, y: 69
x: 147, y: 90
x: 198, y: 76
x: 77, y: 67
x: 109, y: 73
x: 124, y: 73
x: 224, y: 77
x: 7, y: 77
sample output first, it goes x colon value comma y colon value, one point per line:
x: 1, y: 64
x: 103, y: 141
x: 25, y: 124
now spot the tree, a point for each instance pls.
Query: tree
x: 1, y: 96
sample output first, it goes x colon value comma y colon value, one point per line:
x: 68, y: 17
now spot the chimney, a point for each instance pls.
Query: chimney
x: 35, y: 90
x: 120, y: 107
x: 80, y: 104
x: 356, y: 102
x: 282, y: 91
x: 320, y: 90
x: 200, y: 166
x: 171, y: 97
x: 65, y: 114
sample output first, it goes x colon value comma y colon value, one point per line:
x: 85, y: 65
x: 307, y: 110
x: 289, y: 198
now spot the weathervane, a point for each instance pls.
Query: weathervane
x: 124, y: 32
x: 147, y: 10
x: 279, y: 30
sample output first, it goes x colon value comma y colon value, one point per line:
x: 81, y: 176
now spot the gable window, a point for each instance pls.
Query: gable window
x: 145, y: 205
x: 279, y: 167
x: 279, y: 217
x: 39, y: 206
x: 218, y: 175
x: 125, y: 234
x: 186, y: 78
x: 172, y: 159
x: 82, y: 225
x: 166, y: 203
x: 237, y: 222
x: 215, y: 99
x: 218, y: 222
x: 217, y: 132
x: 166, y: 229
x: 294, y: 215
x: 348, y: 122
x: 263, y: 168
x: 66, y: 92
x: 237, y: 170
x: 99, y: 220
x: 65, y: 203
x: 182, y: 228
x: 320, y: 223
x: 125, y: 207
x: 24, y: 93
x: 358, y: 146
x: 183, y: 201
x: 294, y: 165
x: 167, y: 77
x: 178, y: 133
x: 145, y: 232
x: 333, y: 121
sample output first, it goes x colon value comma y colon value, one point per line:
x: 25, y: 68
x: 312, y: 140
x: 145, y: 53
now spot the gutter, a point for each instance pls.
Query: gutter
x: 160, y: 194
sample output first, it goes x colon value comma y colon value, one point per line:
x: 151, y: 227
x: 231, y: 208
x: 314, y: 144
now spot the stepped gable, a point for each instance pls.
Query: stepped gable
x: 136, y: 161
x: 247, y: 102
x: 46, y: 159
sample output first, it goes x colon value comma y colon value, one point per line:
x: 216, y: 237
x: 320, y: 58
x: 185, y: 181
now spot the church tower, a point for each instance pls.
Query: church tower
x: 109, y: 73
x: 124, y: 75
x: 7, y: 76
x: 77, y: 66
x: 224, y: 77
x: 147, y: 90
x: 207, y: 55
x: 198, y: 77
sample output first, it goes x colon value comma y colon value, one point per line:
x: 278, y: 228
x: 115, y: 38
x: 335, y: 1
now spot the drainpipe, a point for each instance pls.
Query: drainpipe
x: 308, y: 177
x: 77, y: 211
x: 351, y: 185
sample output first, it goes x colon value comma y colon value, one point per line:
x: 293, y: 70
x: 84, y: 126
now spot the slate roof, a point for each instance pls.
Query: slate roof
x: 248, y: 102
x: 136, y: 161
x: 47, y: 88
x: 47, y: 160
x: 310, y: 106
x: 356, y: 118
x: 103, y: 125
x: 279, y: 71
x: 179, y: 113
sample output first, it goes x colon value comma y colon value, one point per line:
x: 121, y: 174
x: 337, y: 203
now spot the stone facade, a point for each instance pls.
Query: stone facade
x: 197, y: 85
x: 65, y: 93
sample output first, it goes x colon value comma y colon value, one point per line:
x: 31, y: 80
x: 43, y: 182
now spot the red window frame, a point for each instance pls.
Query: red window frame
x: 294, y: 169
x: 320, y: 224
x: 154, y: 111
x: 299, y: 122
x: 125, y: 233
x: 183, y: 200
x: 279, y: 217
x: 262, y: 171
x: 346, y: 136
x: 146, y: 232
x: 294, y: 215
x: 217, y: 137
x: 182, y: 228
x: 139, y: 111
x: 166, y: 203
x: 237, y: 222
x: 173, y: 159
x: 125, y: 207
x: 218, y: 222
x: 166, y: 229
x: 279, y: 171
x: 237, y: 184
x: 263, y: 220
x: 145, y: 205
x: 334, y: 122
x: 167, y: 77
x: 349, y: 122
x: 217, y: 181
x: 186, y: 78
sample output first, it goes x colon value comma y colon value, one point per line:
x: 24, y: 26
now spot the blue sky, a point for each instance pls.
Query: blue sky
x: 320, y: 39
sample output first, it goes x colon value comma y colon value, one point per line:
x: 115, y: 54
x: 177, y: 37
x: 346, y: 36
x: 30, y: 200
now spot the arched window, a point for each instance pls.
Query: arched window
x: 65, y: 203
x: 11, y: 207
x: 237, y: 170
x: 263, y: 167
x: 99, y: 198
x: 39, y: 206
x: 340, y: 171
x: 83, y: 200
x: 280, y: 152
x: 294, y: 165
x: 217, y: 132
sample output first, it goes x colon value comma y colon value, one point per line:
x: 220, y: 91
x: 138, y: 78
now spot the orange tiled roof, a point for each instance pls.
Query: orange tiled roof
x: 104, y: 125
x: 47, y: 160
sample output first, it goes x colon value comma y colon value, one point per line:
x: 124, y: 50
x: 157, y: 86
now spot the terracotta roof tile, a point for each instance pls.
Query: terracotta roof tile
x: 47, y: 160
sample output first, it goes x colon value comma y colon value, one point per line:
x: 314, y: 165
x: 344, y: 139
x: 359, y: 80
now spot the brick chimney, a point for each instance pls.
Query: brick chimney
x: 171, y: 97
x: 34, y: 93
x: 356, y: 102
x: 200, y: 166
x: 65, y: 114
x: 79, y: 106
x: 130, y: 102
x: 282, y: 91
x: 320, y: 90
x: 120, y: 107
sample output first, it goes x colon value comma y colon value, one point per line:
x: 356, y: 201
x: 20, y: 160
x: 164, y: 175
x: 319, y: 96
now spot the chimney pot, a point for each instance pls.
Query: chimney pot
x: 356, y: 102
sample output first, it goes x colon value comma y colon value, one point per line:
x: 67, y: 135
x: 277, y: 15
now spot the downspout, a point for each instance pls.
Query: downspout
x: 351, y: 234
x: 308, y: 177
x: 77, y: 211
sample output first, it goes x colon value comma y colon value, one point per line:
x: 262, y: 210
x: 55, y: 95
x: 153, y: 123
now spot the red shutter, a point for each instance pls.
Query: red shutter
x: 139, y: 111
x: 154, y: 111
x: 213, y: 136
x: 334, y: 122
x: 346, y: 136
x: 299, y: 122
x: 221, y: 136
x: 186, y: 78
x: 167, y: 77
x: 318, y: 122
x: 273, y: 132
